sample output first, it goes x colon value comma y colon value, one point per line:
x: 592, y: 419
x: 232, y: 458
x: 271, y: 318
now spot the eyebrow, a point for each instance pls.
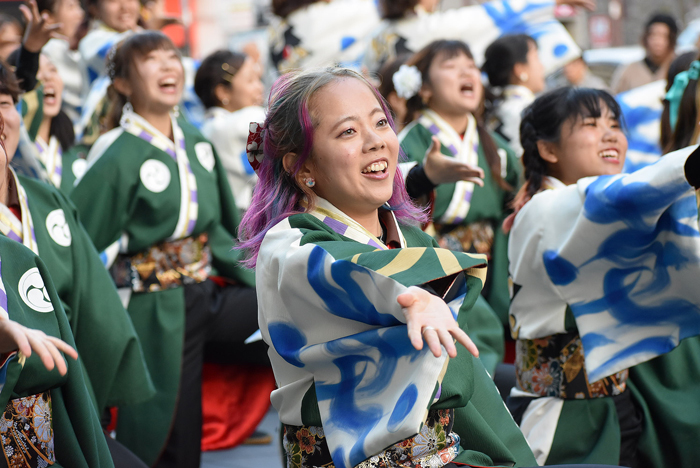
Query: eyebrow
x: 354, y: 118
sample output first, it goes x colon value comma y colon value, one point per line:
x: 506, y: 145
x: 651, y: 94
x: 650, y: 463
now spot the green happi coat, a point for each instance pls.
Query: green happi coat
x: 667, y: 389
x: 116, y: 200
x: 104, y: 334
x: 488, y: 434
x: 488, y: 203
x: 78, y: 438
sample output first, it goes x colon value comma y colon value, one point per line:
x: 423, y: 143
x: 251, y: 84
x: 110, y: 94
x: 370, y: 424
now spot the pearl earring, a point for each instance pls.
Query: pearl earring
x: 224, y: 101
x: 310, y: 182
x: 523, y: 77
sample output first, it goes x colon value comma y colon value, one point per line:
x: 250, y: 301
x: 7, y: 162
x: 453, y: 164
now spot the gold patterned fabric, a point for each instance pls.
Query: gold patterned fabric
x: 472, y: 238
x: 554, y: 366
x: 434, y: 446
x: 26, y: 431
x: 166, y: 265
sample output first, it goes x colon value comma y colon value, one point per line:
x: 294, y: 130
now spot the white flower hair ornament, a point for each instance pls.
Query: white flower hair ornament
x: 407, y: 81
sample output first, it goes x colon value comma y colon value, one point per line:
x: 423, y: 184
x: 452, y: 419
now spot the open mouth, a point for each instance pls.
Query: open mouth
x: 376, y: 167
x: 467, y: 89
x: 49, y: 95
x: 610, y: 155
x: 168, y: 85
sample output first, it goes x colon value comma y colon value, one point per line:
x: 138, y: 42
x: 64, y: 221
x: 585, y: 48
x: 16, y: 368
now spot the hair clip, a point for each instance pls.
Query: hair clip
x: 254, y: 146
x: 228, y: 75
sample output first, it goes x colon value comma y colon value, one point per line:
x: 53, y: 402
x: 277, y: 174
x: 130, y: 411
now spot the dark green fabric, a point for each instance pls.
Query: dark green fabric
x: 489, y: 436
x: 78, y: 437
x: 588, y: 431
x: 667, y: 389
x: 488, y: 432
x: 487, y: 203
x: 75, y: 153
x: 103, y: 331
x: 112, y: 200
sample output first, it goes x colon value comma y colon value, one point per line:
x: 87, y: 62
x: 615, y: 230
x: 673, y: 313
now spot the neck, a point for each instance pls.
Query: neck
x: 44, y: 129
x: 159, y: 120
x: 370, y: 222
x: 5, y: 175
x: 458, y: 122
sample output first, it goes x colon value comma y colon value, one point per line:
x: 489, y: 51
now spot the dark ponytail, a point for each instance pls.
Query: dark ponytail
x: 543, y: 121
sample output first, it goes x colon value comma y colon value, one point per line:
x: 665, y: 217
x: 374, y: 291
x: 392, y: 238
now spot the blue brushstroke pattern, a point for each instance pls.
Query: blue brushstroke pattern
x: 246, y: 163
x: 403, y: 407
x: 288, y: 341
x: 635, y: 118
x: 348, y: 301
x: 638, y: 250
x: 347, y: 42
x: 355, y: 363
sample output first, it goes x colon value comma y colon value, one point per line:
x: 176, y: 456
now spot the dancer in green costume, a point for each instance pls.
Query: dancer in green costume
x: 156, y: 188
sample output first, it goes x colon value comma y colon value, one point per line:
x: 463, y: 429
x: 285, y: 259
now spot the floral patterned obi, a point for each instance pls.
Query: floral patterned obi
x: 26, y: 431
x: 554, y: 367
x: 166, y: 265
x: 434, y: 446
x: 471, y: 238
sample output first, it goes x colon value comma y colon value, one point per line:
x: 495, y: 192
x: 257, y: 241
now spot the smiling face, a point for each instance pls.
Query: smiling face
x: 590, y: 146
x: 53, y: 86
x: 454, y: 87
x: 70, y: 14
x: 246, y: 88
x: 355, y: 150
x: 120, y: 15
x: 155, y: 83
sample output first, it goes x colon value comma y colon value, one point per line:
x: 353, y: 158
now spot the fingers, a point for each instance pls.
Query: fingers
x: 35, y: 9
x: 465, y: 341
x: 414, y: 334
x: 448, y: 342
x: 435, y: 146
x: 36, y: 340
x: 406, y: 299
x: 26, y: 12
x: 18, y: 333
x: 432, y: 339
x: 57, y: 358
x: 63, y: 346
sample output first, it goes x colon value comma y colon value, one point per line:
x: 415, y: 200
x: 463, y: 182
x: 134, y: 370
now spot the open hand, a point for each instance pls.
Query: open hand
x: 14, y: 336
x: 587, y: 4
x: 428, y: 318
x: 39, y: 29
x: 441, y: 169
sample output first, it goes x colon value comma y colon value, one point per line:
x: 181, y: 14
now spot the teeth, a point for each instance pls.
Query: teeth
x: 375, y: 167
x: 608, y: 154
x: 168, y: 81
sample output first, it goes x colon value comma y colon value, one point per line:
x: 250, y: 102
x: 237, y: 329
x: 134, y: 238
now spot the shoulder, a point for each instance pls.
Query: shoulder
x: 416, y: 237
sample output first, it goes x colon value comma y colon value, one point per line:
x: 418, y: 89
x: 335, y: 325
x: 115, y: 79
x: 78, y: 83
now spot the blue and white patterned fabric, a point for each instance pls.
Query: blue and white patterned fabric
x: 641, y: 112
x: 478, y: 26
x: 623, y: 252
x: 336, y: 324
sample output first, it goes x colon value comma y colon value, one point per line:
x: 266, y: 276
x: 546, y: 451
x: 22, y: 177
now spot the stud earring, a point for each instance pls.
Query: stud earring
x: 523, y: 77
x: 310, y: 182
x: 224, y: 101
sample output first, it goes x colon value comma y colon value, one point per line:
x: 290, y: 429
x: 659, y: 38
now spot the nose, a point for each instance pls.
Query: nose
x: 373, y: 141
x: 611, y: 134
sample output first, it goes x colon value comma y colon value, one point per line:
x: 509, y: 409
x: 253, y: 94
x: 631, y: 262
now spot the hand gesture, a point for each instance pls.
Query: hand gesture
x: 15, y: 336
x: 39, y: 30
x: 587, y: 4
x: 441, y: 169
x: 428, y: 318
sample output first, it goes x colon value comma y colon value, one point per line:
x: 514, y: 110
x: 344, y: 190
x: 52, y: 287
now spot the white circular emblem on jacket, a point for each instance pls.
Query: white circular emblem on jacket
x: 58, y: 227
x: 79, y: 167
x: 33, y: 292
x: 205, y: 154
x: 155, y: 175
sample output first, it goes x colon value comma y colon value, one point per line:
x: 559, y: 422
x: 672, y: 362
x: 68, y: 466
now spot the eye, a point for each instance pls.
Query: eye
x: 590, y: 122
x: 349, y: 131
x: 383, y: 122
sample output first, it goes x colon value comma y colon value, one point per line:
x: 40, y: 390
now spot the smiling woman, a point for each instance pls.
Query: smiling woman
x: 598, y: 286
x: 350, y: 292
x: 156, y: 191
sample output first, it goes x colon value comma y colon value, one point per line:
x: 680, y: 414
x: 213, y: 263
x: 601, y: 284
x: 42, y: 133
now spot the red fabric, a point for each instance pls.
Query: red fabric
x: 16, y: 211
x: 235, y: 399
x: 509, y: 357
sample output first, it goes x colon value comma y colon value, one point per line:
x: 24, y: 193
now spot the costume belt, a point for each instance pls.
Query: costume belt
x: 166, y: 265
x: 471, y: 238
x: 554, y: 366
x: 26, y: 432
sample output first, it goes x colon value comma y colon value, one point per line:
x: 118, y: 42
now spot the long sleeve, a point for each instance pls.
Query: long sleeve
x: 622, y: 252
